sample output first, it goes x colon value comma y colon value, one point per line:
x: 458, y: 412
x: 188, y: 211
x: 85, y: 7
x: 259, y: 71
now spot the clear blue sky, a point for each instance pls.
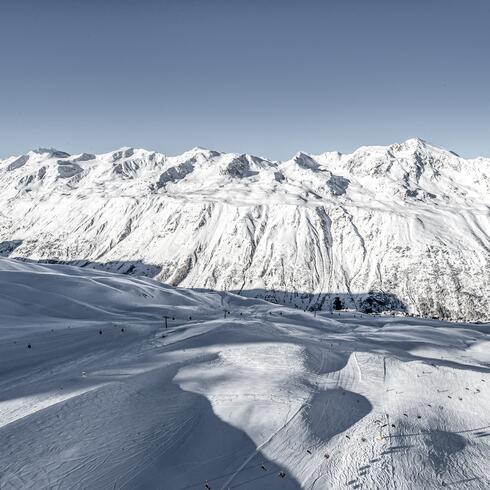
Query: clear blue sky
x: 268, y: 77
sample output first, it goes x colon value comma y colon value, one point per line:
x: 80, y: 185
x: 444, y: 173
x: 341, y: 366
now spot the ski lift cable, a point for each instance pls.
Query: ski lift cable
x: 223, y: 475
x: 251, y: 480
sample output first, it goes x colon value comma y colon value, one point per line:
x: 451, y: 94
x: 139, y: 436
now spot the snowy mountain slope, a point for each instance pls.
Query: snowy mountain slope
x: 231, y: 403
x: 408, y: 223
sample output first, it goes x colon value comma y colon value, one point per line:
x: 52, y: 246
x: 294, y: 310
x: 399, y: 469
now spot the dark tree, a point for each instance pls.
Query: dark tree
x: 337, y: 303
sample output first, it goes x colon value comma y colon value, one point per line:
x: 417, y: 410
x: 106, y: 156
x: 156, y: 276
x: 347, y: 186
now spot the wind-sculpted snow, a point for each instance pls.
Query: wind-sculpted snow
x: 404, y: 227
x: 233, y: 393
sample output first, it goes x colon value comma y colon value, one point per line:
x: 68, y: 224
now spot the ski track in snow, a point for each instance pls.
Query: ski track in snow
x: 393, y: 402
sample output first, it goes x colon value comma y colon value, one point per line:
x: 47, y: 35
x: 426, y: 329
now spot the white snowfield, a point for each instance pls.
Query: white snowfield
x: 96, y: 393
x: 399, y: 228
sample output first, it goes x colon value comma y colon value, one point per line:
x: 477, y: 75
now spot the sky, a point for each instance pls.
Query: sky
x: 263, y: 77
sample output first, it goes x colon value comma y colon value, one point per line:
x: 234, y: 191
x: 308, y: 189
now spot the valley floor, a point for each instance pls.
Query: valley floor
x: 95, y: 392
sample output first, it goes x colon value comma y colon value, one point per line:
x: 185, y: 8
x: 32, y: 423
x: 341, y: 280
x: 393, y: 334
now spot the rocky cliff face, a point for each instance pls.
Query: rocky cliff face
x: 404, y: 227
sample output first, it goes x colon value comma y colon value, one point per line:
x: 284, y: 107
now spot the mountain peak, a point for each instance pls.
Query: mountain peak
x: 52, y: 152
x: 415, y: 142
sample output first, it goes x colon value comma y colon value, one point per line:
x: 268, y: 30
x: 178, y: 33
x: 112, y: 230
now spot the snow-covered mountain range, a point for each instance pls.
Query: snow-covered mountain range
x: 403, y: 227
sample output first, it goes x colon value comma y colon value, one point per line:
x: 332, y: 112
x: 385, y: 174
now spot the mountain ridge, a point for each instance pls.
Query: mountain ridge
x: 409, y: 221
x: 409, y: 142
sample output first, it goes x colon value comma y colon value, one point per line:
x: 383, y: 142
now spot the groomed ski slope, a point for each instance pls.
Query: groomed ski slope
x: 106, y: 397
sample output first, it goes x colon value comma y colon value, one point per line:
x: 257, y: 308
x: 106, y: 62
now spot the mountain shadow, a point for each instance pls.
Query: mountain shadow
x: 129, y: 267
x: 164, y: 437
x: 368, y: 302
x: 9, y: 246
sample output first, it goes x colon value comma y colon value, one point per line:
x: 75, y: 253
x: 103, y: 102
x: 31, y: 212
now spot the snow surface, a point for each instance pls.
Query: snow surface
x: 394, y: 402
x: 399, y: 228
